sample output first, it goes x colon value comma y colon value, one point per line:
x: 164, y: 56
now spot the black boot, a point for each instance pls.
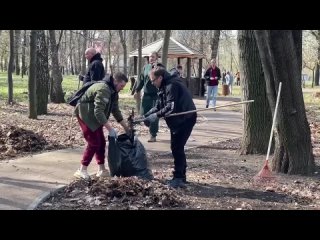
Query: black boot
x: 207, y: 106
x: 177, y: 182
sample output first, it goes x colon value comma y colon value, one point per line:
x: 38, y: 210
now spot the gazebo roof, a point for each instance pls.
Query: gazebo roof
x: 175, y: 50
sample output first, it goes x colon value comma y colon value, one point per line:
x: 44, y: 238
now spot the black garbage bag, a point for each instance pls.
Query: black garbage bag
x: 127, y: 157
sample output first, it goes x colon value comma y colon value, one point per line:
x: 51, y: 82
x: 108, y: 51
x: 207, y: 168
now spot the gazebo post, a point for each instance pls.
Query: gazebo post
x: 200, y: 76
x: 179, y: 61
x: 135, y: 65
x: 189, y: 73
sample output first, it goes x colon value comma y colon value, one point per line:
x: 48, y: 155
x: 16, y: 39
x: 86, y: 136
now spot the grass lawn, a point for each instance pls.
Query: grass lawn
x: 70, y: 84
x: 20, y: 86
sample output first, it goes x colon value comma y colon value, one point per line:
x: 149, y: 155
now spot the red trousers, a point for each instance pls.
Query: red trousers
x: 96, y: 144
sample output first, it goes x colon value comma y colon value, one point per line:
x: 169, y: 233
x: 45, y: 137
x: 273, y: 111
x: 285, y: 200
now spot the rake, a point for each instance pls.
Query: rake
x: 197, y: 110
x: 265, y: 172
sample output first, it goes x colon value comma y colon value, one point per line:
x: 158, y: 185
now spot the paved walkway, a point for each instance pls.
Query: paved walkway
x: 24, y: 181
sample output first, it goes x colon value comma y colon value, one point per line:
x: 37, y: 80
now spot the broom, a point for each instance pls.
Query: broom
x: 265, y: 171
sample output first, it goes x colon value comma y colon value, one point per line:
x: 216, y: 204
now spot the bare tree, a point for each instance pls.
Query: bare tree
x: 165, y: 47
x: 56, y: 94
x: 10, y: 68
x: 32, y: 84
x: 23, y: 57
x: 16, y: 48
x: 110, y: 35
x: 79, y: 55
x: 71, y: 47
x: 84, y: 47
x: 140, y: 38
x: 201, y: 47
x: 256, y: 116
x: 280, y: 60
x: 42, y: 77
x: 214, y: 43
x: 133, y: 45
x: 123, y: 39
x: 317, y: 75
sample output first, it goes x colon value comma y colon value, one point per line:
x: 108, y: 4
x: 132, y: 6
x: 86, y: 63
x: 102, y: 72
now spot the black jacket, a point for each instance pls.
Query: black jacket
x: 207, y: 76
x: 174, y: 97
x: 95, y: 69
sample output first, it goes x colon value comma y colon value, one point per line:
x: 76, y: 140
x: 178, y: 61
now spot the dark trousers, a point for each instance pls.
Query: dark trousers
x: 96, y: 144
x: 147, y: 103
x: 179, y: 139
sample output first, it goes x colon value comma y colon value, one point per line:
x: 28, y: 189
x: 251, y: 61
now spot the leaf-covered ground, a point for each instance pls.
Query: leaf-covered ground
x: 20, y: 135
x: 219, y: 178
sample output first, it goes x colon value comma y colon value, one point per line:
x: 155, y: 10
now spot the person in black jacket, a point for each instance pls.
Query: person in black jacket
x: 173, y: 97
x: 95, y: 70
x: 212, y: 76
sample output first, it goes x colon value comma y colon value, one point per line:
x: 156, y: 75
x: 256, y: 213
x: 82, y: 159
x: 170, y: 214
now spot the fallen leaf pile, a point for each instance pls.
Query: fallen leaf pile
x: 118, y: 193
x: 57, y: 128
x: 315, y: 138
x: 14, y: 139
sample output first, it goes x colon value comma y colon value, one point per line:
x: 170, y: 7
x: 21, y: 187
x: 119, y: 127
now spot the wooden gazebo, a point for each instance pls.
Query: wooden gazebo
x: 179, y: 51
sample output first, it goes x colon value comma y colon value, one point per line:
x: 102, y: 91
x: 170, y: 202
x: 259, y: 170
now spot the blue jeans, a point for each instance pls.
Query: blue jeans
x: 212, y: 90
x: 146, y: 104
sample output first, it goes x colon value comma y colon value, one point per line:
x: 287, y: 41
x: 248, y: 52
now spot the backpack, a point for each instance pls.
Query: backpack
x: 75, y: 98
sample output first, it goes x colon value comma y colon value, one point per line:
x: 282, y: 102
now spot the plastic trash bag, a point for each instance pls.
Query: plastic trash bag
x: 127, y: 157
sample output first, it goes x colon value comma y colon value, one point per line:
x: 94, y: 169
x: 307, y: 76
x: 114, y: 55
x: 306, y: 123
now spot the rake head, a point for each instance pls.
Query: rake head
x: 265, y: 173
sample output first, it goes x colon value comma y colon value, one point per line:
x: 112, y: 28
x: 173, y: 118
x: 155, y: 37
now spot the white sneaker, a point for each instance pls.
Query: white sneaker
x: 102, y: 173
x: 82, y: 174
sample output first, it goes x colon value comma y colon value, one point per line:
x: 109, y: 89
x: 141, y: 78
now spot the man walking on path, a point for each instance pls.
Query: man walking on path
x: 212, y: 76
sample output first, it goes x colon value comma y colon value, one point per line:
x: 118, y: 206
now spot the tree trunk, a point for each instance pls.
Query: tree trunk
x: 43, y: 77
x: 71, y: 47
x: 122, y: 36
x: 57, y: 93
x: 134, y: 45
x: 76, y: 63
x: 6, y: 64
x: 79, y: 53
x: 65, y: 56
x: 84, y: 47
x: 165, y: 47
x: 279, y: 56
x: 32, y: 84
x: 317, y: 75
x: 109, y: 52
x: 10, y: 70
x: 23, y: 57
x: 1, y: 63
x: 201, y: 40
x: 16, y: 54
x: 145, y: 37
x: 154, y: 35
x: 214, y: 43
x: 138, y: 99
x: 256, y: 116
